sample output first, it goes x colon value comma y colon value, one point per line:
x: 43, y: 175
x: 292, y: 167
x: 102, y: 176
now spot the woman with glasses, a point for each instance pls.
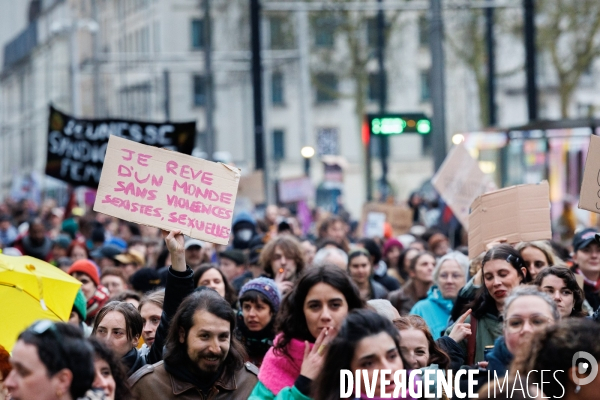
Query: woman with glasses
x: 51, y: 361
x: 449, y: 276
x: 560, y: 284
x: 527, y: 311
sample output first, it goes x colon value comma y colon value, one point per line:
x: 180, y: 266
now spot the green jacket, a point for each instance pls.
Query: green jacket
x: 260, y: 392
x: 489, y: 327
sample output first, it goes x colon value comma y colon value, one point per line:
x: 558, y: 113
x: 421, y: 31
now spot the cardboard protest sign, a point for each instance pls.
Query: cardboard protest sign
x: 375, y: 225
x: 295, y: 189
x: 459, y: 181
x: 77, y: 147
x: 399, y: 217
x: 252, y: 187
x: 517, y: 213
x: 168, y: 190
x: 589, y: 197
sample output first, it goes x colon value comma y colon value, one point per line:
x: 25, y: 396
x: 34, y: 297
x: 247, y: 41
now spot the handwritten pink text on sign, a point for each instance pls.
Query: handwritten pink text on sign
x: 169, y: 190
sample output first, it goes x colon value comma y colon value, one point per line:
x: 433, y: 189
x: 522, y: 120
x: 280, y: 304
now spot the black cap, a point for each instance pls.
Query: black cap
x: 584, y: 238
x: 145, y: 279
x: 107, y: 251
x: 237, y: 256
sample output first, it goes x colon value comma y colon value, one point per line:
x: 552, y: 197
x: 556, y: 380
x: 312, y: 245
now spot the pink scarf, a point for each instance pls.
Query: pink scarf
x: 279, y: 371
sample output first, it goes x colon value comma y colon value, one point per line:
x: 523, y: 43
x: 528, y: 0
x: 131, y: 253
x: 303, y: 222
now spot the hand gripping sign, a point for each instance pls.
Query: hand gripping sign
x: 168, y: 190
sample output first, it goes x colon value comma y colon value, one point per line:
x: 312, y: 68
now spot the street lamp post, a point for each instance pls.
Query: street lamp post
x: 307, y: 153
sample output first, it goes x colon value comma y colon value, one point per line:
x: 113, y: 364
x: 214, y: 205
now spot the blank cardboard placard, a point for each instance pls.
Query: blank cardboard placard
x: 252, y: 187
x: 589, y: 196
x: 168, y: 190
x: 459, y: 181
x: 517, y: 213
x: 399, y: 217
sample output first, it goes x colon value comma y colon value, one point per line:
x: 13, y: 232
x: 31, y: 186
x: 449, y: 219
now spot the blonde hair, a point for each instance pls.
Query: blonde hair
x: 545, y: 248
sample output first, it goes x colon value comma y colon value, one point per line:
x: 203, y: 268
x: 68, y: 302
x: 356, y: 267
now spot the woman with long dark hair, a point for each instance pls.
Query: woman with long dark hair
x: 366, y: 341
x: 361, y: 271
x: 416, y: 288
x: 502, y: 270
x: 210, y: 276
x: 310, y: 316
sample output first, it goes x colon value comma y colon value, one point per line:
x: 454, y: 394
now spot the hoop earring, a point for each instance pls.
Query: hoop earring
x: 577, y: 389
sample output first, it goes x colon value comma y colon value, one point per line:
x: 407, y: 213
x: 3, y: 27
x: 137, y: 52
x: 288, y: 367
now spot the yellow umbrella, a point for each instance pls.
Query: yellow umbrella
x: 32, y: 289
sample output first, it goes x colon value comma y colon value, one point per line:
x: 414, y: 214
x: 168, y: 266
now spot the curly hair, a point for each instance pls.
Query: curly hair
x: 117, y: 370
x: 290, y: 247
x: 568, y: 278
x: 436, y: 354
x: 291, y: 321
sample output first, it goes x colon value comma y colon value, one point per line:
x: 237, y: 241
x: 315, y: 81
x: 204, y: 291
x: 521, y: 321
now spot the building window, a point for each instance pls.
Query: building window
x: 372, y: 32
x: 278, y: 144
x: 279, y: 36
x: 277, y: 89
x: 199, y: 90
x: 425, y: 85
x: 423, y: 31
x: 373, y: 92
x: 198, y: 34
x: 326, y: 85
x: 324, y: 32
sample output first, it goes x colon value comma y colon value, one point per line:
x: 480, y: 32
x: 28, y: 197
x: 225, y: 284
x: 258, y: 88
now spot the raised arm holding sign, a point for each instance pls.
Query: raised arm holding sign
x: 168, y: 190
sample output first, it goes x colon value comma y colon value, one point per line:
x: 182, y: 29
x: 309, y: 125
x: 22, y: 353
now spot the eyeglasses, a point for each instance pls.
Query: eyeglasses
x: 454, y: 276
x: 516, y: 324
x: 44, y: 326
x: 39, y: 328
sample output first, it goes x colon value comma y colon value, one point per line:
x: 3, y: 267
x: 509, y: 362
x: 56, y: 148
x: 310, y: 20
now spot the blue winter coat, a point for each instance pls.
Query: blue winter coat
x: 499, y: 358
x: 435, y: 310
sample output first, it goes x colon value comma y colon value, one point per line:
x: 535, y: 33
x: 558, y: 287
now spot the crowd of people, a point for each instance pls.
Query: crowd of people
x: 282, y: 309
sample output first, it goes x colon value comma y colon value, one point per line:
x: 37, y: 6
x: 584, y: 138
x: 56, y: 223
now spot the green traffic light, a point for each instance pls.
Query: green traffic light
x: 423, y: 126
x: 387, y: 126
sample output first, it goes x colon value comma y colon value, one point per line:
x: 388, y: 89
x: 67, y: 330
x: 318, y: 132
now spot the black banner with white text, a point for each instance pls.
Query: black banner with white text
x: 76, y: 147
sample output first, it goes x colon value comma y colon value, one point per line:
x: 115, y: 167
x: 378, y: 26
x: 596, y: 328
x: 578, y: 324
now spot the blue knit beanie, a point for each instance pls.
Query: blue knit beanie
x: 267, y: 288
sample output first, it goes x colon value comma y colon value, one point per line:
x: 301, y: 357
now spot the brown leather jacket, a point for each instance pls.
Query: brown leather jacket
x: 152, y: 382
x: 404, y: 298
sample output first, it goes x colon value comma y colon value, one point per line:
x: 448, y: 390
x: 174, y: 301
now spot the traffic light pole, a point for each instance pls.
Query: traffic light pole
x: 259, y: 149
x: 532, y: 100
x: 383, y: 140
x: 438, y: 92
x: 491, y: 65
